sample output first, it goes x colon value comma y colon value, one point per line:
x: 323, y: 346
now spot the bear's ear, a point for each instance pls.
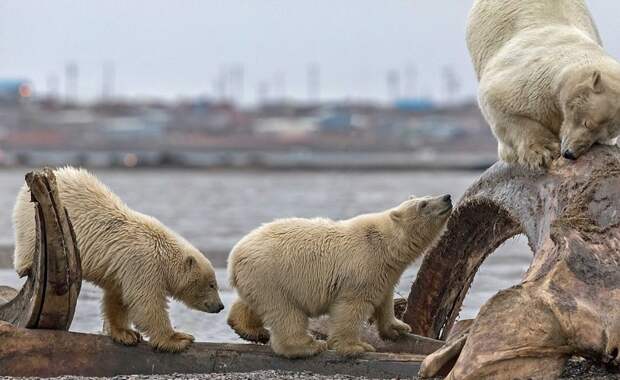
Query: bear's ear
x: 396, y: 215
x: 412, y: 196
x: 190, y: 262
x: 597, y: 82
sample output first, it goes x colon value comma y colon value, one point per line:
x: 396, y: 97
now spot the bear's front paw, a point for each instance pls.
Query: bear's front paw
x: 394, y: 330
x: 350, y: 349
x: 182, y: 335
x: 127, y: 337
x: 539, y: 155
x: 177, y: 342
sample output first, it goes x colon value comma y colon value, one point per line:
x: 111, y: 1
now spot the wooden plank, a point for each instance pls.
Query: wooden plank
x: 44, y: 353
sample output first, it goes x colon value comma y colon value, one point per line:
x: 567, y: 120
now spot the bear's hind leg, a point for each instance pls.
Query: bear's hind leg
x: 289, y: 333
x: 246, y: 323
x: 346, y: 319
x: 116, y: 319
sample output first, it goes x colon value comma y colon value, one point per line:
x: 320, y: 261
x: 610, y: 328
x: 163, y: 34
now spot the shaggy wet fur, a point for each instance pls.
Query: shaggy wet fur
x: 547, y: 87
x: 293, y: 269
x: 136, y: 260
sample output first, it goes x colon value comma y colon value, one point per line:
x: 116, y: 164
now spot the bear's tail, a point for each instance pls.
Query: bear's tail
x: 246, y: 323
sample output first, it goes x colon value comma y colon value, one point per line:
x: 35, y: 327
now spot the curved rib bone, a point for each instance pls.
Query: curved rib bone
x: 568, y: 301
x: 48, y: 298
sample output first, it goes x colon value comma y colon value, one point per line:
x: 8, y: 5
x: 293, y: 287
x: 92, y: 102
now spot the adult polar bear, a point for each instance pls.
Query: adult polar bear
x: 546, y: 84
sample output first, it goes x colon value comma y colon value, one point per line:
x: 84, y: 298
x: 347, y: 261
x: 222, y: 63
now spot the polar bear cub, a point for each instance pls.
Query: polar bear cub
x: 292, y: 269
x: 547, y: 87
x: 135, y: 259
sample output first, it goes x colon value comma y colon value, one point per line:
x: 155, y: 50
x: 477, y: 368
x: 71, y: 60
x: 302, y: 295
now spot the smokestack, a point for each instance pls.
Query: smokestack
x: 71, y: 82
x: 53, y: 90
x: 314, y: 83
x: 393, y: 84
x: 108, y: 77
x: 411, y: 76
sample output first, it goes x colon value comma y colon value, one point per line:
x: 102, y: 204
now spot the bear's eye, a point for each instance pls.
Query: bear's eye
x: 423, y: 204
x: 212, y: 286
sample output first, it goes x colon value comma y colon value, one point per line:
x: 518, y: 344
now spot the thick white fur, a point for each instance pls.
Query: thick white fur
x: 543, y: 77
x: 292, y: 269
x: 135, y: 259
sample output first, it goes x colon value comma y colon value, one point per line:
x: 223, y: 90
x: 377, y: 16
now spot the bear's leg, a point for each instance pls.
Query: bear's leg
x: 389, y: 327
x: 246, y: 323
x: 149, y: 313
x: 525, y: 141
x: 289, y: 333
x: 346, y: 319
x: 116, y: 319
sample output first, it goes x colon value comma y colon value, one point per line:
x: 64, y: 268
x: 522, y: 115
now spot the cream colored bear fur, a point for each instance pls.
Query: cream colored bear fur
x: 135, y: 259
x: 293, y: 269
x: 546, y: 84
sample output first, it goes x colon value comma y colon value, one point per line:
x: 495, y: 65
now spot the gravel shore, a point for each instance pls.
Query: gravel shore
x: 577, y: 368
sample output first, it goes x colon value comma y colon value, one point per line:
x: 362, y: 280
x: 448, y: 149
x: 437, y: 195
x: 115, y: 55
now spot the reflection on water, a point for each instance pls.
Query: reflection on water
x: 215, y: 209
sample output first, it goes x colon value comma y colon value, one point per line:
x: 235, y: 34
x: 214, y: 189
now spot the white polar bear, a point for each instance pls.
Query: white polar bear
x: 292, y: 269
x: 135, y: 259
x: 546, y: 84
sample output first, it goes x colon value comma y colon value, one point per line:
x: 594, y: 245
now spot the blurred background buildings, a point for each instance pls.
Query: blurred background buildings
x: 272, y: 84
x: 203, y: 132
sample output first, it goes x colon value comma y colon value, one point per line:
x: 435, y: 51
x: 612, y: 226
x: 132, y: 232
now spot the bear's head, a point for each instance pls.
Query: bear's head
x: 196, y: 285
x: 591, y: 109
x: 422, y: 218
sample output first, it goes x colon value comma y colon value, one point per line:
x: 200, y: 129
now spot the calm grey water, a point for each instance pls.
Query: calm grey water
x: 215, y: 209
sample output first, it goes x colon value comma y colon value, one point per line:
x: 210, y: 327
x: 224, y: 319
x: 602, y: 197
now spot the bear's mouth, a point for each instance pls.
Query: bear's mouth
x: 445, y: 211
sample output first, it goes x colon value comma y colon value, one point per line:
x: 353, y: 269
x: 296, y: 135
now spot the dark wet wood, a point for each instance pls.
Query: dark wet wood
x: 45, y: 353
x: 48, y: 298
x: 413, y: 344
x: 569, y: 300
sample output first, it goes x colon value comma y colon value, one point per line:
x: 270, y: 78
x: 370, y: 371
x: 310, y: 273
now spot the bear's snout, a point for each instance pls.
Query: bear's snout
x: 447, y: 198
x: 214, y: 308
x: 569, y: 154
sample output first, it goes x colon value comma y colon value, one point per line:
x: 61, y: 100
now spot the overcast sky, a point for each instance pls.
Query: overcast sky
x: 180, y: 48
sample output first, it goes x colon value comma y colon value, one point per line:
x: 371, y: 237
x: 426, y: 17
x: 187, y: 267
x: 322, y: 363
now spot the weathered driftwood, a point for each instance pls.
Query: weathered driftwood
x: 48, y: 298
x: 413, y: 344
x: 568, y: 301
x: 55, y: 353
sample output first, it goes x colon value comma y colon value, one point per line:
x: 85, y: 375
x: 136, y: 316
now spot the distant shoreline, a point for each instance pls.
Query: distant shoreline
x: 258, y: 161
x: 335, y: 168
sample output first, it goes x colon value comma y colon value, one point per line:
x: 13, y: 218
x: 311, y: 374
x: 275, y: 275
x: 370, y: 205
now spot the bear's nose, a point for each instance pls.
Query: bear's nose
x: 447, y: 198
x: 569, y: 155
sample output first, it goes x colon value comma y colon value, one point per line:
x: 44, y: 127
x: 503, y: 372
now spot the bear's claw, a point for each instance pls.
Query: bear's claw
x: 394, y: 330
x: 313, y: 348
x: 351, y: 349
x: 177, y: 342
x: 538, y: 156
x: 183, y: 336
x: 127, y: 337
x: 257, y: 336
